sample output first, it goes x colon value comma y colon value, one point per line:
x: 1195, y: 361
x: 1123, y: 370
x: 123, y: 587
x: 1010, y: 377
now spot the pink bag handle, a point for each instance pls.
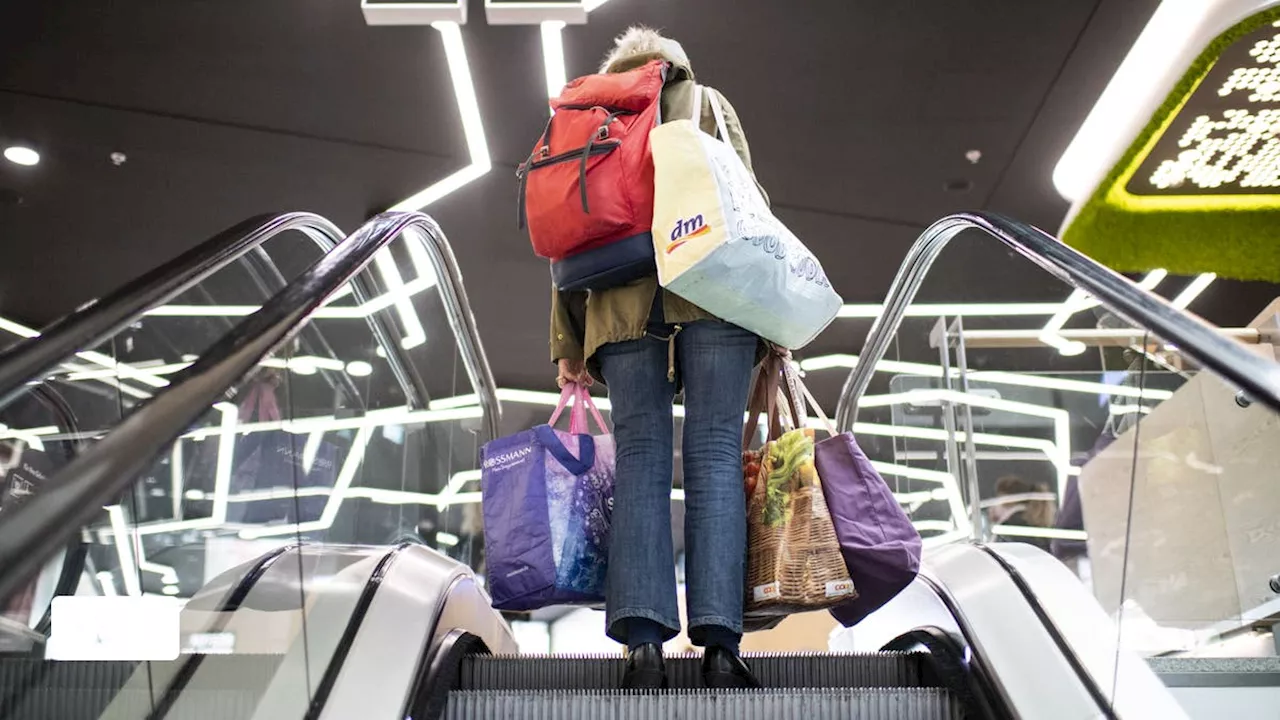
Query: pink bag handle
x: 578, y: 424
x: 566, y: 394
x: 589, y: 405
x: 262, y: 398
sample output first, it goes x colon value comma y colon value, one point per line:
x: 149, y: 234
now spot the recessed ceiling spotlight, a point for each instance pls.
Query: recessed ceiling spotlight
x: 973, y: 156
x: 118, y: 158
x: 21, y: 155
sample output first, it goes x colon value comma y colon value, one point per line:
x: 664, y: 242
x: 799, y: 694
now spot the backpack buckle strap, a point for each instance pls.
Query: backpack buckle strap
x: 521, y: 210
x: 601, y: 133
x: 541, y: 152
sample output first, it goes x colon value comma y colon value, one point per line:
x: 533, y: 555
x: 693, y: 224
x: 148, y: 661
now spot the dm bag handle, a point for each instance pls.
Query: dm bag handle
x: 713, y: 98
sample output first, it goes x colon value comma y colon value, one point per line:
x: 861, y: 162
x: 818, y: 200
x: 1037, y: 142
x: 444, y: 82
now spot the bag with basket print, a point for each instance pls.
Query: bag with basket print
x: 793, y: 555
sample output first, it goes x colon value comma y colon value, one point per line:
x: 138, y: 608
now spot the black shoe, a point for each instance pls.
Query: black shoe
x: 646, y: 669
x: 722, y: 670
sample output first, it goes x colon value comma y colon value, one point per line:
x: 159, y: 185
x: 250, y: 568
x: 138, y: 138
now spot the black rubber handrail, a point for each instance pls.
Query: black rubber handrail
x: 107, y: 469
x: 88, y: 327
x: 1259, y: 378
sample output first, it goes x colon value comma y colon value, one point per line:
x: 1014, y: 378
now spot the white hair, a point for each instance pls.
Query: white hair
x: 641, y: 40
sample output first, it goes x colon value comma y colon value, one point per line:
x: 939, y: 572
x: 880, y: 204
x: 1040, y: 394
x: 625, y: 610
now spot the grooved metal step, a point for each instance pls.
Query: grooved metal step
x: 558, y: 672
x: 793, y: 704
x: 227, y: 686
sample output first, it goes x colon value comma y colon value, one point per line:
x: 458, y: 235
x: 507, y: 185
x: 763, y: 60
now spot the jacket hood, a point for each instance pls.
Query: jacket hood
x: 640, y: 45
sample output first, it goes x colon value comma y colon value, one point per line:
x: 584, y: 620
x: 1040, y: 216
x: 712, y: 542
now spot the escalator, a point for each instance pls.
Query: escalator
x: 324, y: 624
x: 35, y: 684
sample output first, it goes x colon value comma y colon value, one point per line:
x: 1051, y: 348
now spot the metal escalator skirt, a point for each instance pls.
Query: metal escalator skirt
x: 330, y: 677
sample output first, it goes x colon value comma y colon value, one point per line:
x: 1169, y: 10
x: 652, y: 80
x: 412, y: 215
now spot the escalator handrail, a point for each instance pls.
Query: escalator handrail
x: 107, y: 469
x: 1258, y: 377
x: 90, y: 326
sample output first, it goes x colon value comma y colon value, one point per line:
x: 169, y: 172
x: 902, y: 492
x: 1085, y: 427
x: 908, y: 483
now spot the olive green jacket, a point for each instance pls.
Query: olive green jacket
x: 583, y: 321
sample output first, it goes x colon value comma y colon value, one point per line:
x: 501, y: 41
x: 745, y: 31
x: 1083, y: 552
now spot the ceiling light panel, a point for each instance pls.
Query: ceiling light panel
x: 995, y: 377
x: 21, y: 155
x: 1177, y: 32
x: 418, y: 12
x: 534, y: 12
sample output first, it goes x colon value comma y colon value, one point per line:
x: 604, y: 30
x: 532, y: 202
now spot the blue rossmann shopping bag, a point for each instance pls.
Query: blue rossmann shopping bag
x: 268, y: 460
x: 547, y: 502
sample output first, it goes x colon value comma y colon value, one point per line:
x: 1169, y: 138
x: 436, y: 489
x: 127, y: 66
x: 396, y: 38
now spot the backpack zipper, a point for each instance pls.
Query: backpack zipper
x: 607, y: 108
x: 529, y: 166
x: 596, y: 149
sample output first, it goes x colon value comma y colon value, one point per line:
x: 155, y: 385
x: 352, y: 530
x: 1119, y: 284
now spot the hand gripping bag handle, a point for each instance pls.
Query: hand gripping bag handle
x: 582, y: 404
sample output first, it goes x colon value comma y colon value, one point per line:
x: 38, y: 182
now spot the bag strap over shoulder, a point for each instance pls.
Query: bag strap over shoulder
x: 695, y: 105
x: 716, y: 110
x: 713, y: 98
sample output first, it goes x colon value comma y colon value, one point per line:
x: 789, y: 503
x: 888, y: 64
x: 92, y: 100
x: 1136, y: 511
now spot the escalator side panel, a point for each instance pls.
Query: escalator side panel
x: 839, y: 704
x: 1091, y: 634
x: 1030, y: 671
x: 402, y: 622
x: 333, y: 589
x: 916, y: 606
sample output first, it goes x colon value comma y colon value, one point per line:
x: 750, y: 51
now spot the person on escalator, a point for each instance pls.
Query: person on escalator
x: 646, y: 344
x: 1019, y: 512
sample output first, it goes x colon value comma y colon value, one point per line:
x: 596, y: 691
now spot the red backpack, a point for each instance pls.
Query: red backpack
x: 586, y: 192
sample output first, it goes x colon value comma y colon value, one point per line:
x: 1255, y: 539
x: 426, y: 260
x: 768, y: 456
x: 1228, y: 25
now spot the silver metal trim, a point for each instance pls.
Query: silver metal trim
x: 1028, y: 668
x: 453, y: 294
x: 1196, y: 339
x: 397, y: 631
x: 107, y: 469
x: 1129, y: 683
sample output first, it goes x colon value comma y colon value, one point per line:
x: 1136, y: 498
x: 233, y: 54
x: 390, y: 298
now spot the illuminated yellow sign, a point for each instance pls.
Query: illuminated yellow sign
x: 1225, y: 139
x: 1198, y: 191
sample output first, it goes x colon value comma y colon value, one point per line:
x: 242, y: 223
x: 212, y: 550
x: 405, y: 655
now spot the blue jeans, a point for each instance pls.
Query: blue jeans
x: 714, y: 361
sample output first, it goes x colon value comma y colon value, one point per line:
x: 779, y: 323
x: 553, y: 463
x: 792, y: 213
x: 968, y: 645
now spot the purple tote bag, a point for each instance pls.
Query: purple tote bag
x: 547, y: 505
x: 881, y: 547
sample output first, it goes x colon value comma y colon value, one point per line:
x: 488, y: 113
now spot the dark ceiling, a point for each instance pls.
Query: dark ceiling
x: 860, y: 114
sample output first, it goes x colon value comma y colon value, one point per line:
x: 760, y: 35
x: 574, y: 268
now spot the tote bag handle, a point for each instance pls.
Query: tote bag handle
x: 714, y: 99
x: 582, y: 404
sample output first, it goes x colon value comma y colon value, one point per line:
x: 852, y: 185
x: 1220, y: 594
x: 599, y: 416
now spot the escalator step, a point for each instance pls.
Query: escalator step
x: 226, y: 686
x: 65, y: 704
x: 16, y: 672
x: 529, y: 672
x: 794, y: 704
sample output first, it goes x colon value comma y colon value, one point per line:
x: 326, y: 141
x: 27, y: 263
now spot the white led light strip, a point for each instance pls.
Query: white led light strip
x: 994, y: 377
x: 1177, y: 32
x: 934, y: 310
x: 464, y: 92
x: 1079, y: 301
x: 1061, y: 455
x: 1038, y: 532
x: 118, y: 369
